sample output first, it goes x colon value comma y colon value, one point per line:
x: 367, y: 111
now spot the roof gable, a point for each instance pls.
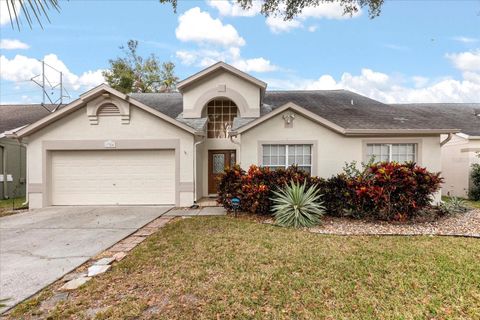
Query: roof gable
x: 89, y: 96
x: 219, y: 66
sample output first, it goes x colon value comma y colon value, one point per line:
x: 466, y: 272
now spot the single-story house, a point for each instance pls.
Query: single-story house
x: 459, y: 150
x: 108, y: 148
x: 12, y: 153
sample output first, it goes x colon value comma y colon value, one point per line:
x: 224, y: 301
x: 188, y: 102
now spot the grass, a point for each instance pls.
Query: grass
x: 6, y: 206
x: 222, y: 267
x: 471, y: 203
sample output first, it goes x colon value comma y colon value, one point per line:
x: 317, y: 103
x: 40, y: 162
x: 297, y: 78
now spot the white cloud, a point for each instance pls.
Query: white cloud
x: 466, y: 61
x: 277, y: 24
x: 198, y: 26
x: 12, y: 44
x: 383, y: 87
x: 22, y: 68
x: 333, y: 10
x: 312, y: 28
x: 4, y: 13
x: 254, y: 65
x: 397, y: 89
x: 207, y: 57
x: 231, y: 8
x: 465, y: 39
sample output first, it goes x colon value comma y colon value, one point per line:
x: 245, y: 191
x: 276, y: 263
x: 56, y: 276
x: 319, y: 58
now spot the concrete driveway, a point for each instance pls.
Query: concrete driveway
x: 40, y: 246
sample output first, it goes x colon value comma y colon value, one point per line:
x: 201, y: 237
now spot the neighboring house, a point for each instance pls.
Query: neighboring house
x: 460, y: 150
x: 107, y: 148
x: 12, y: 153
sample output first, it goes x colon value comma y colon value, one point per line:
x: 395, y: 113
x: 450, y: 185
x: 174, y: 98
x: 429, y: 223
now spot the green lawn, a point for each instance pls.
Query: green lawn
x: 222, y: 267
x: 7, y: 205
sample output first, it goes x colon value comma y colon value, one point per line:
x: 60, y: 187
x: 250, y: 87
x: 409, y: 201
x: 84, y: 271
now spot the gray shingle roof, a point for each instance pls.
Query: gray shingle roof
x: 170, y: 104
x: 16, y: 115
x: 333, y: 105
x: 457, y: 115
x: 195, y: 123
x: 353, y: 111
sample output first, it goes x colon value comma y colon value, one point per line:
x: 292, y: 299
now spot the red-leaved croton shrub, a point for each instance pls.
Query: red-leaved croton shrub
x: 392, y: 191
x: 254, y: 187
x: 382, y: 191
x: 230, y: 186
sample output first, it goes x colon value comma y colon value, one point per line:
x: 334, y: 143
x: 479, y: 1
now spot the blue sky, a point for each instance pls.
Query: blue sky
x: 415, y: 51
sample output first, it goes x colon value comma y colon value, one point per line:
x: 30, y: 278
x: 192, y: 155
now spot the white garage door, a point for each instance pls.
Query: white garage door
x: 120, y: 177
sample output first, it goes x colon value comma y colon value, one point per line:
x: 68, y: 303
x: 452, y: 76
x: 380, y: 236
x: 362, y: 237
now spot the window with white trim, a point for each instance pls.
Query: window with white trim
x: 398, y: 152
x: 284, y: 155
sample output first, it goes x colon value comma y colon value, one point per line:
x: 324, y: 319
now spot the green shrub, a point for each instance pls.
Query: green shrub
x: 336, y: 193
x: 474, y: 193
x: 293, y: 206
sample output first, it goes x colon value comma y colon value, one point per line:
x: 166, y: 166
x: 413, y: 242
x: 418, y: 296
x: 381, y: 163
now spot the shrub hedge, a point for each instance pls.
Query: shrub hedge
x: 474, y: 193
x: 384, y: 191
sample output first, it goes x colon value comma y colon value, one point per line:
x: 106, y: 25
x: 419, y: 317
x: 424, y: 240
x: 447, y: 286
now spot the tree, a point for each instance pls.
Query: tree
x: 133, y: 73
x: 289, y: 9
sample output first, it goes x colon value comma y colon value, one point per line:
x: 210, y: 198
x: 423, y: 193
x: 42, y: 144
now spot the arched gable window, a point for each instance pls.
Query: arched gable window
x: 220, y: 113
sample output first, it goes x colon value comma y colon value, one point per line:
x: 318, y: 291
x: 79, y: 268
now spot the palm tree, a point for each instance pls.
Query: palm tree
x: 31, y: 10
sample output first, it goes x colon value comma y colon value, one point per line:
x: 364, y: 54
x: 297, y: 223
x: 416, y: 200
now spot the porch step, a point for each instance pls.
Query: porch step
x: 208, y: 202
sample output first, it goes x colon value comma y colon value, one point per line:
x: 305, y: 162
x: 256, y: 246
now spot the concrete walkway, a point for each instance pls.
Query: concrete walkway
x: 40, y: 246
x: 202, y: 211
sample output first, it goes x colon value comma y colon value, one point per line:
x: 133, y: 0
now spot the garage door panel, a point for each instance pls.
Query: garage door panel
x: 113, y: 177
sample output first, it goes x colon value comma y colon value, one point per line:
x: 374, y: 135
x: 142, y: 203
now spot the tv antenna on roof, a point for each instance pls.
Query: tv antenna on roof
x: 52, y: 87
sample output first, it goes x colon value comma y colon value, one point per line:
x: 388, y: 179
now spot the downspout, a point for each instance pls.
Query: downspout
x: 195, y: 205
x: 442, y: 143
x: 4, y: 171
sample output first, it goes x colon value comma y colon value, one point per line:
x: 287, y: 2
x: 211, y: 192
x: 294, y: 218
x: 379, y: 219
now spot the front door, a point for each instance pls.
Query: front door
x: 218, y: 161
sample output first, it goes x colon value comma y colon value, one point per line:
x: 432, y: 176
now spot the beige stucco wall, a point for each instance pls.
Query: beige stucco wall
x: 76, y: 127
x: 222, y: 84
x: 331, y: 150
x: 458, y: 155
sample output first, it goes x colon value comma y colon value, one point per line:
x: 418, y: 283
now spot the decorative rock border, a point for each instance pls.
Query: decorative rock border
x: 460, y: 225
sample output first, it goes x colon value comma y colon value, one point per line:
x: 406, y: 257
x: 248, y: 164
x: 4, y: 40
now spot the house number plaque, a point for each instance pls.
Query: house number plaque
x: 109, y: 144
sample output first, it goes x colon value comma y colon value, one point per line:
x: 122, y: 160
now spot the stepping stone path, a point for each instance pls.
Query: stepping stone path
x: 75, y: 283
x: 104, y: 261
x: 97, y: 269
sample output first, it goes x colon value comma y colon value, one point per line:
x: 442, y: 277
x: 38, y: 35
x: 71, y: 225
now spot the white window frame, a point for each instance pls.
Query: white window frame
x: 390, y: 149
x: 287, y: 147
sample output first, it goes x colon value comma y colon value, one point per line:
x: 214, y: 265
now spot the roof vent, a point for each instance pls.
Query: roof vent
x: 401, y: 119
x: 108, y: 109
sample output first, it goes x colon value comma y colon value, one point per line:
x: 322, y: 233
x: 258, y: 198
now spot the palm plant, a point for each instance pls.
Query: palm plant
x: 295, y: 207
x: 31, y: 9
